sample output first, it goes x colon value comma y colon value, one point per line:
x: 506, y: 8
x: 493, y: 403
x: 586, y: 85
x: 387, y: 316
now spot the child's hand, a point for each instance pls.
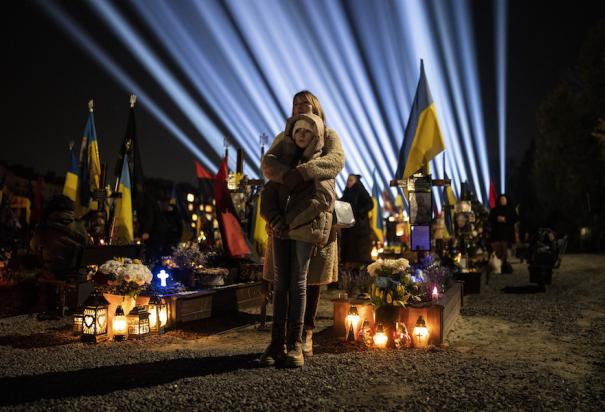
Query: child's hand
x: 278, y: 225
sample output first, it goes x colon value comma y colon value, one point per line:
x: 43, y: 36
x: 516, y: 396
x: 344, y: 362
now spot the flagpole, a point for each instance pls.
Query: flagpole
x: 116, y: 194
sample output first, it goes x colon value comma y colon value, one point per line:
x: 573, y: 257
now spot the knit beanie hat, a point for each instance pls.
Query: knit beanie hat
x: 301, y: 124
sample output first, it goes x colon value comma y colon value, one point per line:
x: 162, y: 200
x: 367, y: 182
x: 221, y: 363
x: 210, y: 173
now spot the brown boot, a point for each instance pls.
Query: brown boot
x: 307, y: 342
x: 294, y: 357
x: 275, y: 353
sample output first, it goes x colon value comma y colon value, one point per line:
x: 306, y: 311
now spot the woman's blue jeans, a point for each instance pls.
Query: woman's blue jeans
x: 291, y: 264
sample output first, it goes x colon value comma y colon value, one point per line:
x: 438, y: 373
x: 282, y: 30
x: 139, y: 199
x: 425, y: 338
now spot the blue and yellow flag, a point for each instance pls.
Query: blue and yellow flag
x: 449, y: 200
x: 70, y: 188
x: 94, y: 161
x: 422, y: 140
x: 259, y: 231
x: 123, y: 223
x: 376, y: 213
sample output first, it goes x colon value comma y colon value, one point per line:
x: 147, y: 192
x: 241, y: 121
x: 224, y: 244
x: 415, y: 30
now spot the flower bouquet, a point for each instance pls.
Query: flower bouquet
x: 194, y: 265
x: 123, y: 276
x: 393, y: 283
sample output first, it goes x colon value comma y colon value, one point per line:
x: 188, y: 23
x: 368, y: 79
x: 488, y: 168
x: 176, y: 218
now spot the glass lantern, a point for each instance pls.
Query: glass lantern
x: 94, y: 318
x: 158, y: 314
x: 351, y: 322
x: 78, y: 321
x: 380, y: 338
x: 119, y: 325
x: 401, y: 337
x: 138, y: 322
x: 421, y: 334
x: 365, y: 334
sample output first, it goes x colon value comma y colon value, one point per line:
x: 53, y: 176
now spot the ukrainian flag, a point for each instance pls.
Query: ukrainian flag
x: 123, y: 224
x: 449, y: 202
x: 70, y: 188
x: 422, y: 140
x: 376, y: 213
x: 94, y: 161
x: 259, y: 231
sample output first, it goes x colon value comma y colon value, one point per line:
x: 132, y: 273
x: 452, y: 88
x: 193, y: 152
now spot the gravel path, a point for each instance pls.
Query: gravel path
x: 508, y: 351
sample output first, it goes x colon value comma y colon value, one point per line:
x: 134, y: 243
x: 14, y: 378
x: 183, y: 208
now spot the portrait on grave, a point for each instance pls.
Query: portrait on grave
x: 421, y: 238
x: 420, y: 208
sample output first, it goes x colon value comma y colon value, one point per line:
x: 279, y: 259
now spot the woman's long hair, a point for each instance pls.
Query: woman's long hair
x: 310, y: 97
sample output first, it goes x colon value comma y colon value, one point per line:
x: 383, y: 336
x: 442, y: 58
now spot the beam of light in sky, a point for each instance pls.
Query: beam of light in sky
x: 99, y: 55
x: 169, y: 83
x: 232, y: 67
x: 501, y: 17
x: 470, y: 70
x: 454, y: 80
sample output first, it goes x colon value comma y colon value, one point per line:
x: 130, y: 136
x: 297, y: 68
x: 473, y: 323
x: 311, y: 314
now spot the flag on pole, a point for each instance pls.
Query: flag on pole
x: 130, y: 150
x: 231, y: 230
x: 376, y: 213
x: 450, y: 200
x: 205, y: 182
x: 176, y: 201
x: 94, y: 161
x: 422, y: 140
x: 70, y: 187
x: 492, y: 195
x: 123, y: 213
x: 259, y: 231
x: 84, y: 177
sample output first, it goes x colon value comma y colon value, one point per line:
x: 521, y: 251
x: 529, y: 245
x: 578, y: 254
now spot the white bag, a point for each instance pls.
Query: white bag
x: 494, y: 264
x: 343, y: 215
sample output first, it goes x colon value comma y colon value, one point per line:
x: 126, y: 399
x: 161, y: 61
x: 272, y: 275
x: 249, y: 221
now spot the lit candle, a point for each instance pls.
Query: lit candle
x: 435, y: 295
x: 374, y: 253
x: 421, y: 334
x: 380, y: 338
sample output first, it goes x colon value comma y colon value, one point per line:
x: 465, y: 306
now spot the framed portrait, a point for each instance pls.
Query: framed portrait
x: 420, y: 238
x: 421, y: 208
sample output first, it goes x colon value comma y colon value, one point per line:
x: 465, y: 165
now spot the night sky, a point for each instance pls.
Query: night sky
x: 48, y: 80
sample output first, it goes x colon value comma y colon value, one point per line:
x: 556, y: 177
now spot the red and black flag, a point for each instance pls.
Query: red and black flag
x: 205, y: 181
x: 130, y: 147
x: 231, y: 230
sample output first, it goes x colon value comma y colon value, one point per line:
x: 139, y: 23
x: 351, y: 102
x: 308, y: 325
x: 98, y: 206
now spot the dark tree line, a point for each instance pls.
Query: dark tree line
x: 560, y: 182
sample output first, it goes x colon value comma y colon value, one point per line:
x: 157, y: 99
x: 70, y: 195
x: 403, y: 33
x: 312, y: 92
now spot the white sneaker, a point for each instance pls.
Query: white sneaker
x: 307, y: 342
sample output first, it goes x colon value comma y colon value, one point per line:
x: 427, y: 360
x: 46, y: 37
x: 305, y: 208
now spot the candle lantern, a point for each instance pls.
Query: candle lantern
x: 401, y: 337
x: 380, y: 338
x: 78, y: 321
x: 435, y: 294
x: 421, y: 334
x: 365, y: 334
x: 158, y: 314
x: 138, y: 322
x: 119, y: 325
x: 351, y: 323
x: 94, y: 318
x: 374, y: 253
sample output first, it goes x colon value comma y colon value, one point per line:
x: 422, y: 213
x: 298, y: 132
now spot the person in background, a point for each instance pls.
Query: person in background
x: 57, y: 244
x: 356, y: 241
x: 502, y: 220
x: 323, y: 268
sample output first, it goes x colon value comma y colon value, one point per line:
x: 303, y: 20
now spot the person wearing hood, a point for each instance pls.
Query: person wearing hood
x: 300, y: 222
x: 57, y: 244
x: 502, y: 219
x: 323, y: 267
x: 357, y: 241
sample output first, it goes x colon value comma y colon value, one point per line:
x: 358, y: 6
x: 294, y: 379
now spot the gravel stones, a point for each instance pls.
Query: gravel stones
x: 483, y: 369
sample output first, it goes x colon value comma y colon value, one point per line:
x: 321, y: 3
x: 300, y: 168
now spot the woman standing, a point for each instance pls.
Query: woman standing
x: 502, y: 220
x: 356, y: 241
x: 323, y: 267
